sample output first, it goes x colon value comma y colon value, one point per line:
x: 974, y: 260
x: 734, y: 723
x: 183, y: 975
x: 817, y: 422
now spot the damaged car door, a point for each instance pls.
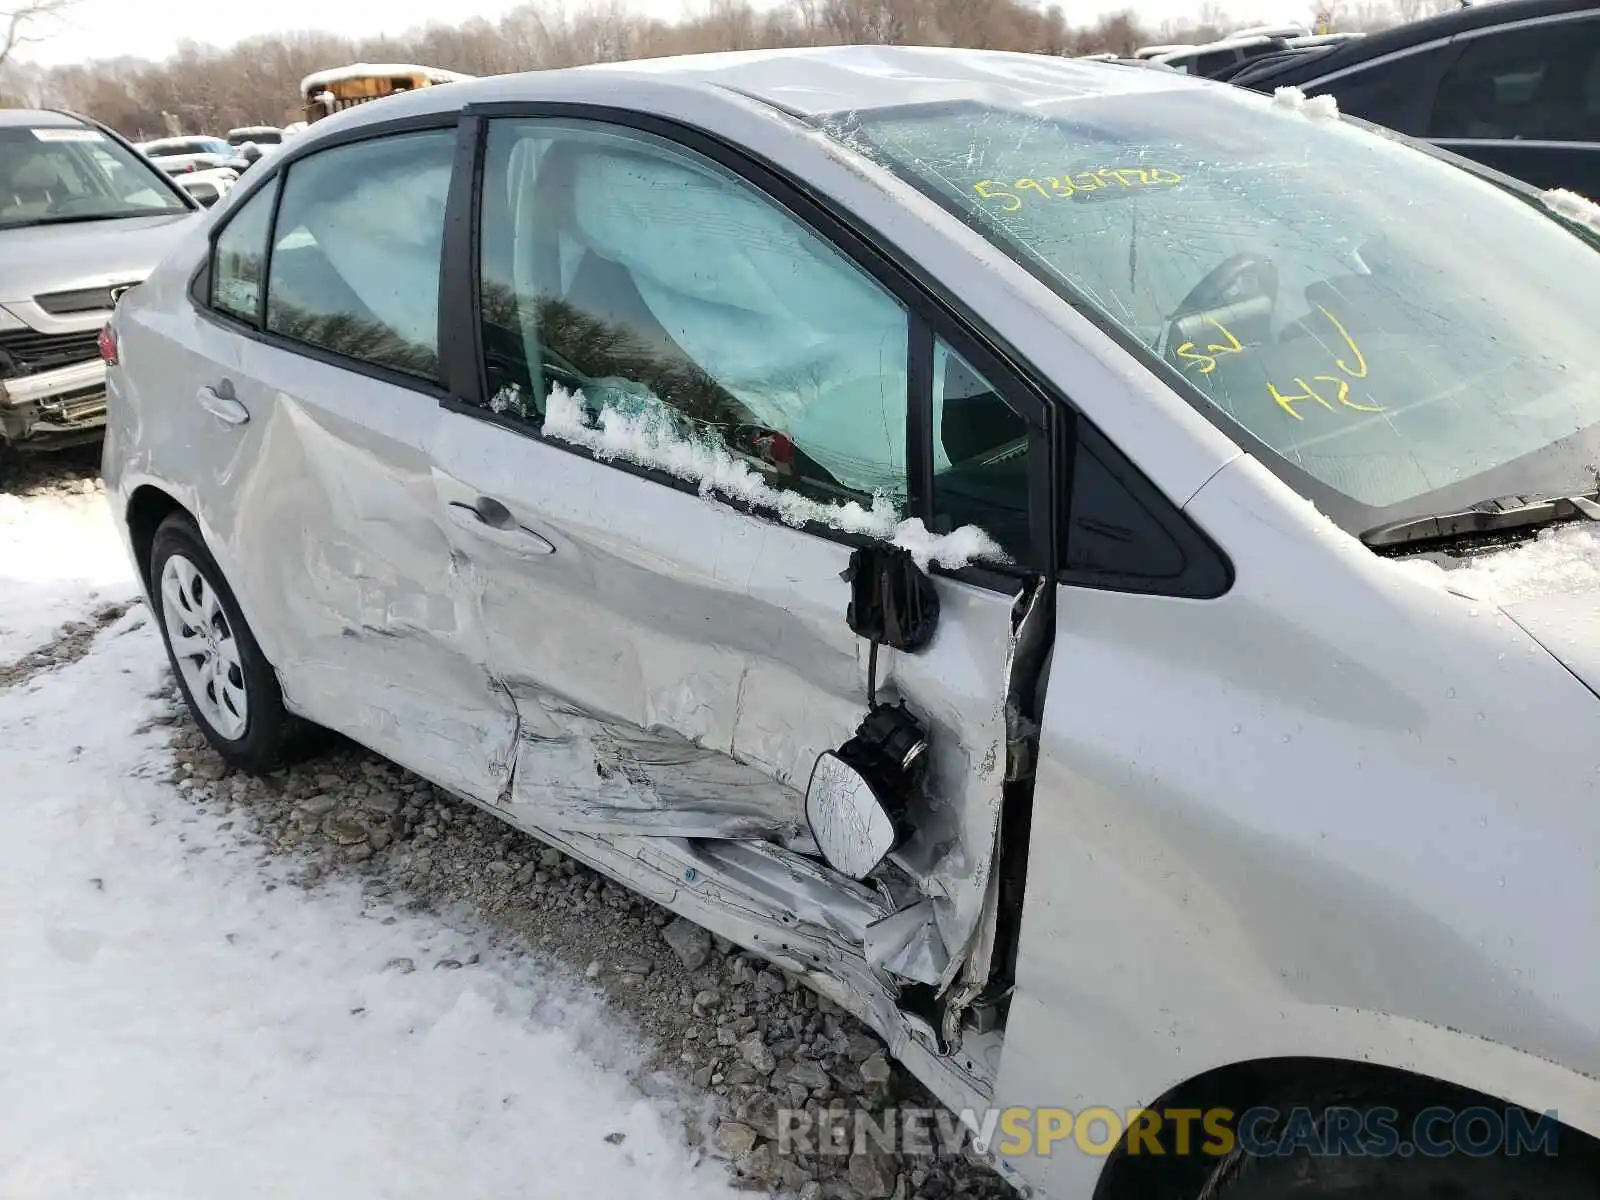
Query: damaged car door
x: 332, y: 527
x: 691, y: 411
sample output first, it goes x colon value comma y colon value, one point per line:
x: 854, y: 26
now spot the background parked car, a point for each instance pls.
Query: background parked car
x: 1214, y: 57
x: 83, y: 218
x: 1514, y: 85
x: 179, y: 155
x: 260, y: 135
x: 207, y: 186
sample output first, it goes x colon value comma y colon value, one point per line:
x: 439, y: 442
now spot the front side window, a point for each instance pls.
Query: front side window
x: 355, y: 251
x: 980, y: 454
x: 56, y: 174
x: 239, y: 259
x: 1540, y: 83
x: 642, y: 301
x: 1327, y: 291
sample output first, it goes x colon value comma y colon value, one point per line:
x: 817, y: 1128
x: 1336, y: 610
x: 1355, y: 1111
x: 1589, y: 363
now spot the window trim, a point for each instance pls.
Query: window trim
x: 1449, y: 143
x: 275, y: 177
x: 1032, y: 401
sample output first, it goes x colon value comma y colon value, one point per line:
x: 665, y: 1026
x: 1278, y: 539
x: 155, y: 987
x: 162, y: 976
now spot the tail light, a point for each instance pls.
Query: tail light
x: 107, y: 342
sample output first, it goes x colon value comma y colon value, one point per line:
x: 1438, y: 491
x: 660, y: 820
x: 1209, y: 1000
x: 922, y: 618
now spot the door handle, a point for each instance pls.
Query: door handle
x: 220, y: 403
x: 495, y: 522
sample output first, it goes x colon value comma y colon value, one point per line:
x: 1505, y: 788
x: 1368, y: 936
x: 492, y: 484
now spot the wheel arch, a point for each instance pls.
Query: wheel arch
x: 148, y: 506
x: 1284, y: 1082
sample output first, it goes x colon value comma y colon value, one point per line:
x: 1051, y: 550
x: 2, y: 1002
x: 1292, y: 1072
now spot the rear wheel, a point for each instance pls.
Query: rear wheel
x: 231, y: 689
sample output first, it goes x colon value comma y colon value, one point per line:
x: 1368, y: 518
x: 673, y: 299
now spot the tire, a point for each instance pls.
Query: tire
x: 230, y: 687
x: 1568, y: 1174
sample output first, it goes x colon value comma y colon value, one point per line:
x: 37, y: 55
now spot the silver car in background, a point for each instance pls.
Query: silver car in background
x: 83, y: 218
x: 1090, y: 570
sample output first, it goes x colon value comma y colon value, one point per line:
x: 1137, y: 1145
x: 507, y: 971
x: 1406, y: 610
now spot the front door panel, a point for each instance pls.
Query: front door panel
x: 678, y: 665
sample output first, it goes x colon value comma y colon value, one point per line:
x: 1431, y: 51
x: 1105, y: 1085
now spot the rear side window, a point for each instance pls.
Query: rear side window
x: 355, y: 251
x: 1540, y: 83
x: 238, y: 263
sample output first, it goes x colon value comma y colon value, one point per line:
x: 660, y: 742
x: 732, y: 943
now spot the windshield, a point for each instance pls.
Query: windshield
x: 1391, y: 333
x: 67, y: 173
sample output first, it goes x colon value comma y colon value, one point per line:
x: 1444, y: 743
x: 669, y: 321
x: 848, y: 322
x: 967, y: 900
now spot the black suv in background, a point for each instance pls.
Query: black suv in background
x: 1514, y: 84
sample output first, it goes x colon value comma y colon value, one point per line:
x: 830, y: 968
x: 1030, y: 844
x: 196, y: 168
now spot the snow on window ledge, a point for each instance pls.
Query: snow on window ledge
x: 1578, y: 209
x: 1316, y: 108
x: 644, y: 437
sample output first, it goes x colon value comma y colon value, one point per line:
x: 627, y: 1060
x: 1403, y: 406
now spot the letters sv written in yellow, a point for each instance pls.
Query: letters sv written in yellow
x: 1207, y: 362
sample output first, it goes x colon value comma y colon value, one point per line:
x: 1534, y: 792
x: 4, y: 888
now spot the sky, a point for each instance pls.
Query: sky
x: 153, y: 28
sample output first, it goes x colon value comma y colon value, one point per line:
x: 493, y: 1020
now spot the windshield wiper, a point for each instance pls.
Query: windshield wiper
x: 1491, y: 517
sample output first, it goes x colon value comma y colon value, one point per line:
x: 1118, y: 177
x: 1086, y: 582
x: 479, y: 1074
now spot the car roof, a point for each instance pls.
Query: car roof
x: 802, y: 81
x: 1313, y: 62
x: 43, y: 118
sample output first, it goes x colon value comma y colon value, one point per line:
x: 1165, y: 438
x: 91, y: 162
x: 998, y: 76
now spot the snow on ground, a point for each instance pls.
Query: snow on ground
x: 179, y: 1022
x: 59, y: 556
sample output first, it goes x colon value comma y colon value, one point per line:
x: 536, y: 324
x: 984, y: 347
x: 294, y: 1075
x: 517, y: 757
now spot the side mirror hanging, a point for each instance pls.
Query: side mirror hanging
x: 858, y: 796
x: 892, y: 600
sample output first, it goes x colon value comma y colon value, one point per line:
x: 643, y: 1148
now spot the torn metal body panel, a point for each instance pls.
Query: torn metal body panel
x: 692, y: 662
x: 590, y: 775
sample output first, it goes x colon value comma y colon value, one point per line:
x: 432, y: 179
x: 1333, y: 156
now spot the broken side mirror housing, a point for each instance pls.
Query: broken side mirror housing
x: 892, y: 600
x: 857, y: 797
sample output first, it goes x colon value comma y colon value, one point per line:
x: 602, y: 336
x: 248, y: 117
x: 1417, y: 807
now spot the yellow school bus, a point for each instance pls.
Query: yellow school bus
x: 325, y: 92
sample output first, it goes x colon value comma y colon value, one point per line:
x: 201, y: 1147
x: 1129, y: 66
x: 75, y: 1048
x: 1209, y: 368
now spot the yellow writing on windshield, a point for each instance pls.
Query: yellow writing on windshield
x: 1335, y: 386
x: 1356, y: 369
x: 1359, y: 371
x: 1207, y: 361
x: 1010, y: 196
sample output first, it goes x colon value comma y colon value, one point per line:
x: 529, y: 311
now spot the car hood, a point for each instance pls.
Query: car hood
x: 59, y: 258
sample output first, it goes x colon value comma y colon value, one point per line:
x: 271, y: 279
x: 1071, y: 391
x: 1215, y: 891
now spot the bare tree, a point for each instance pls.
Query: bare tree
x: 19, y: 23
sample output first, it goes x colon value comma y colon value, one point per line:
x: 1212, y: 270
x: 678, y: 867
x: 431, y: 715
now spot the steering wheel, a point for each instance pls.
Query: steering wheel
x: 1240, y: 294
x: 1240, y: 279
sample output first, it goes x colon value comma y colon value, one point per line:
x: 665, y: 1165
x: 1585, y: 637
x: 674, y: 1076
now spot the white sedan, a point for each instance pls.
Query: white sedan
x: 1090, y: 570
